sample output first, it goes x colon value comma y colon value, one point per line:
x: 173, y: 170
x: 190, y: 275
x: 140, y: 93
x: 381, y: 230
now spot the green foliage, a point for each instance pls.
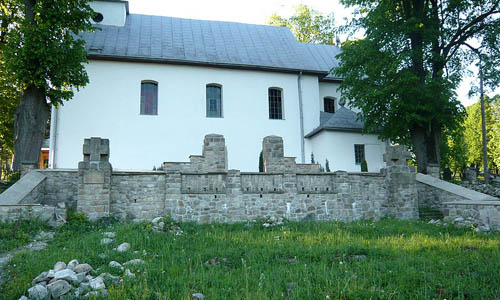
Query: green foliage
x: 261, y: 162
x: 454, y: 152
x: 312, y: 158
x: 327, y: 166
x: 16, y: 234
x: 403, y: 73
x: 364, y: 166
x: 360, y: 260
x: 43, y: 51
x: 473, y: 133
x: 308, y: 25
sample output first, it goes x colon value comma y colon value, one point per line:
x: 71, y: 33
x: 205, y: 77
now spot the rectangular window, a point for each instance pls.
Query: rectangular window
x: 149, y: 98
x: 214, y: 101
x: 275, y: 104
x: 329, y: 104
x: 359, y: 153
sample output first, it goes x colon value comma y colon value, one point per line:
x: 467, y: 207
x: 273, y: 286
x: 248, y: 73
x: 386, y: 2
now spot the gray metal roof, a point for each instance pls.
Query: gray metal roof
x: 342, y: 120
x: 176, y: 40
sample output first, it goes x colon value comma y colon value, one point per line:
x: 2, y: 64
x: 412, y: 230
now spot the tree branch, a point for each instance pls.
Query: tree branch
x: 463, y: 33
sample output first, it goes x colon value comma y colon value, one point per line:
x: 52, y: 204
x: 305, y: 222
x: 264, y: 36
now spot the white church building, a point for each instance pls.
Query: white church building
x: 159, y: 84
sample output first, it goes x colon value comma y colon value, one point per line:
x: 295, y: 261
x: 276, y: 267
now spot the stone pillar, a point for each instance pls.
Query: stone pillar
x: 215, y: 153
x: 94, y: 179
x: 174, y: 204
x: 273, y: 154
x: 434, y: 170
x: 402, y: 202
x: 471, y: 174
x: 28, y: 166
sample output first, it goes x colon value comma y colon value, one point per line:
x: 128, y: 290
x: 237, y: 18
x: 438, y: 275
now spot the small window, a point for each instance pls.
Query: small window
x: 214, y: 101
x: 149, y: 98
x: 275, y: 104
x: 359, y: 153
x: 329, y: 104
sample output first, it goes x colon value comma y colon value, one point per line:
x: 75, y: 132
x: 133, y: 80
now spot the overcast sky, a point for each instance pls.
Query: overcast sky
x: 253, y: 12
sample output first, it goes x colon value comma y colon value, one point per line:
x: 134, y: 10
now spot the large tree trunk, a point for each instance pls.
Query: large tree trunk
x: 426, y: 144
x: 29, y: 126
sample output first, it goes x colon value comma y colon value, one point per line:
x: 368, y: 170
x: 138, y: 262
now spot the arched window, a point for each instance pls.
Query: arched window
x: 329, y: 104
x: 214, y: 100
x: 275, y: 103
x: 149, y: 97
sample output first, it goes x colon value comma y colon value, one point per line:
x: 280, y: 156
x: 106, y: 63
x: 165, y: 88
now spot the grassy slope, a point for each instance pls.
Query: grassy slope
x: 24, y: 231
x: 404, y: 260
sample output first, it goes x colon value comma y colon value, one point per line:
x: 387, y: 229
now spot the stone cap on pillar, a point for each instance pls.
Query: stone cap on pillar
x: 397, y: 155
x: 96, y: 149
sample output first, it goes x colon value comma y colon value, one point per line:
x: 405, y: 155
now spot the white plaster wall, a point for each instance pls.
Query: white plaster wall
x: 114, y: 13
x: 338, y: 148
x: 109, y: 105
x: 329, y: 89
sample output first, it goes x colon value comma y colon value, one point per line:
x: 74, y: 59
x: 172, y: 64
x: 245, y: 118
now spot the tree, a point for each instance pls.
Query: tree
x: 327, y: 165
x: 402, y: 75
x: 308, y: 25
x: 472, y: 133
x: 454, y: 152
x: 41, y: 51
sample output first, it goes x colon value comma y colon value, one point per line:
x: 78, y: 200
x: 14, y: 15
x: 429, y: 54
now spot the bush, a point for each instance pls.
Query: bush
x: 364, y: 166
x: 261, y: 162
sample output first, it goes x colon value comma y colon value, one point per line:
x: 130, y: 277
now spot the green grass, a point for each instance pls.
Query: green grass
x: 389, y: 259
x: 17, y: 234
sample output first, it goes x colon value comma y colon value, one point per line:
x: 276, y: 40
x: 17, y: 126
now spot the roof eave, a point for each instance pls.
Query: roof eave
x: 94, y: 56
x: 342, y: 129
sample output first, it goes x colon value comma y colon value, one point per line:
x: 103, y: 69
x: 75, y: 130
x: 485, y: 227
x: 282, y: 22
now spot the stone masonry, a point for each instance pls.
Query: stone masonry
x: 204, y: 190
x: 94, y: 179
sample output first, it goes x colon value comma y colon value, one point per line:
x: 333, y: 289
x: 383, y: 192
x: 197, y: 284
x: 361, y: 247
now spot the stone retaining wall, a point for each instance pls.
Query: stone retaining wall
x: 203, y: 190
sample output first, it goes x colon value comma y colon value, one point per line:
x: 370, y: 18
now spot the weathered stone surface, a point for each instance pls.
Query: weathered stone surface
x: 115, y: 264
x: 72, y: 264
x: 109, y: 234
x: 24, y: 298
x: 38, y: 292
x: 106, y: 241
x: 43, y: 277
x: 198, y: 296
x: 97, y: 283
x: 123, y: 247
x: 82, y: 268
x: 66, y: 274
x: 59, y: 288
x: 59, y: 266
x: 129, y: 274
x: 134, y: 262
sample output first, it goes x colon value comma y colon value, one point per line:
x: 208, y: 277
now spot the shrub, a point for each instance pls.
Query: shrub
x: 364, y: 166
x: 261, y: 162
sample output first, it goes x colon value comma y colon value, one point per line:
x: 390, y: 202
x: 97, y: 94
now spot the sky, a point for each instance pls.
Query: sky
x: 256, y: 12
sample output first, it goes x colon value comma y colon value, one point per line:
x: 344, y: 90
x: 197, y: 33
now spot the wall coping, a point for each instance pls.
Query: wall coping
x: 453, y: 188
x: 19, y: 190
x: 57, y: 170
x: 134, y: 172
x: 485, y: 202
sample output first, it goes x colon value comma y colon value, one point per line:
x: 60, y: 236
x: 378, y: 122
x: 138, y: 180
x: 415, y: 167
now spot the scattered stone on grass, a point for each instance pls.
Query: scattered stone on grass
x: 197, y: 296
x: 134, y: 262
x: 72, y: 283
x: 161, y: 224
x: 115, y: 264
x: 272, y: 221
x: 123, y: 247
x: 109, y: 234
x: 129, y: 274
x: 106, y: 241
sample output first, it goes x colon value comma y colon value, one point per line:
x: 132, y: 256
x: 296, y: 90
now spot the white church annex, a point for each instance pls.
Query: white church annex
x: 158, y: 85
